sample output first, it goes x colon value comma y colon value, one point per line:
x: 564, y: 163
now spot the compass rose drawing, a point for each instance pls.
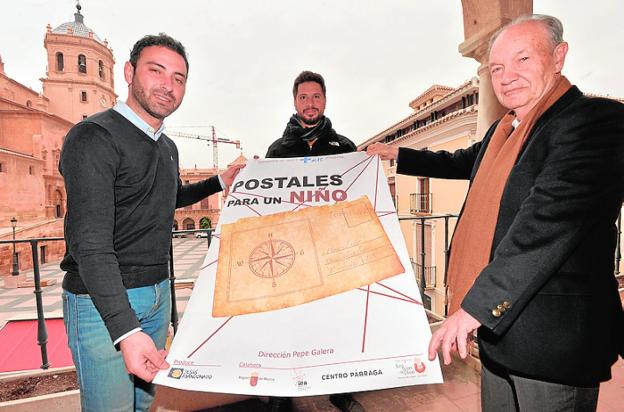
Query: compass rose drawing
x: 272, y: 259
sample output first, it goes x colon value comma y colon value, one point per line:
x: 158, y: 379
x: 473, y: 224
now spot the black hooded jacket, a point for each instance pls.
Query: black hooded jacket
x: 294, y: 141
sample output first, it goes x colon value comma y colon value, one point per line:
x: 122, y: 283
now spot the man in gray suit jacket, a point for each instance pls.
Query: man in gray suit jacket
x: 545, y: 301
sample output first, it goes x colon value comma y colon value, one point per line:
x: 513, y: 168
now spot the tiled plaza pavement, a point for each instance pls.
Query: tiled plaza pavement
x: 460, y: 392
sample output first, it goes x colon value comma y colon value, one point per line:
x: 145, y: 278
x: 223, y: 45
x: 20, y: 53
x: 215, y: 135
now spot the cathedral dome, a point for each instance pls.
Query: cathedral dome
x: 77, y: 27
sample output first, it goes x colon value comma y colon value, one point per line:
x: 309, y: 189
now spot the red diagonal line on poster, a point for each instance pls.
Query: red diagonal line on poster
x: 204, y: 267
x: 356, y: 165
x: 359, y: 174
x: 209, y: 337
x: 392, y: 297
x: 365, y: 319
x: 217, y: 235
x: 383, y: 213
x: 348, y: 170
x: 399, y: 293
x: 250, y: 208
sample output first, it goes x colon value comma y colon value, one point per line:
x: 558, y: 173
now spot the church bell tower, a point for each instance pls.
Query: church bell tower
x: 79, y: 79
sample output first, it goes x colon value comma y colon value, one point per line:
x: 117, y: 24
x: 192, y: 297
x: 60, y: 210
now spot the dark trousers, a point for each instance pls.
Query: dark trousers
x: 511, y: 393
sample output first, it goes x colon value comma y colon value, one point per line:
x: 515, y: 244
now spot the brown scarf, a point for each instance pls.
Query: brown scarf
x: 472, y: 241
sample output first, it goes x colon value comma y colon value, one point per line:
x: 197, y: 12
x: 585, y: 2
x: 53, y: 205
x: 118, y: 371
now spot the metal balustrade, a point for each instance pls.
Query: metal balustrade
x: 426, y: 275
x: 420, y: 261
x: 42, y: 332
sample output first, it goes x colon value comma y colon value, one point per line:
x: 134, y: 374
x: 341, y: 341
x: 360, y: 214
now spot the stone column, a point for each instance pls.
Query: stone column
x: 489, y: 108
x: 482, y: 18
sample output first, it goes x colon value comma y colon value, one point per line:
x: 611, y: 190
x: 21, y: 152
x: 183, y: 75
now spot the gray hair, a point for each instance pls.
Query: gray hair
x: 552, y: 24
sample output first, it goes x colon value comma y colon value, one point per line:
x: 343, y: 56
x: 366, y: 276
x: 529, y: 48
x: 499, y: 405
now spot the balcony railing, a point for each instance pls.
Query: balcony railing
x: 42, y: 332
x: 426, y: 276
x: 423, y: 275
x: 430, y: 274
x: 420, y: 203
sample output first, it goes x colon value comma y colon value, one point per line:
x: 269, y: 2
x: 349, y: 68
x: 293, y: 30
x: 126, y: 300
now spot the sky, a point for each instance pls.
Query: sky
x: 375, y: 56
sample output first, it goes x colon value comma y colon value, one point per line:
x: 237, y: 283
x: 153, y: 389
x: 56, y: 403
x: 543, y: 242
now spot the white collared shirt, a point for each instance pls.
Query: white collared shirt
x: 123, y: 109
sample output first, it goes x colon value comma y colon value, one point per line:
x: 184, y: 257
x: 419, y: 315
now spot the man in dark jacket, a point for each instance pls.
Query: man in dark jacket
x: 532, y: 256
x: 123, y: 185
x: 310, y: 133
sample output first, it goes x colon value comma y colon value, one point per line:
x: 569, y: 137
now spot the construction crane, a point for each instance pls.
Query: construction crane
x: 213, y: 139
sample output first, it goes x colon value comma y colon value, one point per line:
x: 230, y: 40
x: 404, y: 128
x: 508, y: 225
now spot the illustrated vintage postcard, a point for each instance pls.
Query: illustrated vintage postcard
x: 289, y: 258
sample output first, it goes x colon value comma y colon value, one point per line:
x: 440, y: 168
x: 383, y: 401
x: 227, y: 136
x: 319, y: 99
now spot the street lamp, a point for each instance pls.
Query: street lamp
x: 15, y: 271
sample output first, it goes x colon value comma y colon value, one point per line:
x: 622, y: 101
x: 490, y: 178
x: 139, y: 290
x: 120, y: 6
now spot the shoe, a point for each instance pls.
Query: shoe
x: 280, y: 404
x: 345, y: 402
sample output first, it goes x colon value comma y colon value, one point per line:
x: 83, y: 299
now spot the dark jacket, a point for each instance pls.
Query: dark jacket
x: 553, y: 250
x: 122, y: 191
x: 292, y: 145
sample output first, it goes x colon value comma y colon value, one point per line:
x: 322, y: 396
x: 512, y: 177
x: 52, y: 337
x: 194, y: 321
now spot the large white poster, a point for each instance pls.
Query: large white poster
x: 312, y: 301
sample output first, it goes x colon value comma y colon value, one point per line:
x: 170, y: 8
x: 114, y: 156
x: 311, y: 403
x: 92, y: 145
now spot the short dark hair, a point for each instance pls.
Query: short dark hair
x: 162, y: 39
x: 308, y: 76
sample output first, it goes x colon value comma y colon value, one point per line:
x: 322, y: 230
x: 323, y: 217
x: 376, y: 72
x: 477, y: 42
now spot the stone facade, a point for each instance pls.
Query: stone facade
x: 33, y: 125
x: 190, y: 217
x: 444, y: 118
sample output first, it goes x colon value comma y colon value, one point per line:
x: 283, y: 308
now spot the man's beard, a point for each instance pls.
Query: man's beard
x: 310, y: 122
x: 154, y: 110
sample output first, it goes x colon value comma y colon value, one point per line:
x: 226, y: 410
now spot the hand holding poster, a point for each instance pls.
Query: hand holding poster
x: 309, y: 296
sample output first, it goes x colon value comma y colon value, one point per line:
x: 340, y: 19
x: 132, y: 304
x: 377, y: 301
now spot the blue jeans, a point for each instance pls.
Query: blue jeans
x: 105, y: 385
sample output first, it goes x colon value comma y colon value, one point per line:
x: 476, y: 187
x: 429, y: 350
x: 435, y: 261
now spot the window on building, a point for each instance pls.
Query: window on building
x: 58, y: 203
x: 101, y: 69
x: 205, y: 203
x: 84, y: 117
x: 424, y: 196
x: 60, y: 62
x: 83, y: 96
x: 82, y: 63
x: 28, y: 103
x: 2, y: 168
x: 31, y: 170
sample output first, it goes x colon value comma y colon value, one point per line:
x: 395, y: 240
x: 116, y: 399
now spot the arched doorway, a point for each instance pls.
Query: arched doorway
x: 188, y: 224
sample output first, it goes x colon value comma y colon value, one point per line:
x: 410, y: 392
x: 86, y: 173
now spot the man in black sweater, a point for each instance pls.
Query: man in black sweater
x: 123, y: 185
x: 310, y: 133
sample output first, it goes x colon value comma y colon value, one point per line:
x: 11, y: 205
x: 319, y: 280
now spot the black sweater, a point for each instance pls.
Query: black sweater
x: 122, y: 191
